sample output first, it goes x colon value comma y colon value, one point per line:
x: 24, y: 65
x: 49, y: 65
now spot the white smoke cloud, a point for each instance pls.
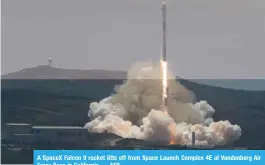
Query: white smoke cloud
x: 134, y: 112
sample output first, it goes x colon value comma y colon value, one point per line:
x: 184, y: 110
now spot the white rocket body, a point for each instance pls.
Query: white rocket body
x: 164, y: 28
x: 164, y: 58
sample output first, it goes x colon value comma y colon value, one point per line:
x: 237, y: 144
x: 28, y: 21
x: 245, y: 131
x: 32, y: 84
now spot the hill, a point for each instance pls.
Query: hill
x: 240, y: 84
x: 47, y: 72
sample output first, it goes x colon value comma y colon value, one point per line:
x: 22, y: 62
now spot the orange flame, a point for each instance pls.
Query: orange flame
x: 172, y: 126
x: 172, y: 129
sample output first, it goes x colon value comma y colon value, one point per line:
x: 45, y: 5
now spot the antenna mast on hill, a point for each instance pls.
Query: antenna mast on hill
x: 50, y: 62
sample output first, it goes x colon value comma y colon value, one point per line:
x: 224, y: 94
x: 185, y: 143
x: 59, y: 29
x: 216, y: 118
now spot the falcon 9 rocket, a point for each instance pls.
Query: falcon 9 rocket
x: 163, y: 61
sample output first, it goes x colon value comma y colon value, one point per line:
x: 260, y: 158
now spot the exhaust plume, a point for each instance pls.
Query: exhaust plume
x: 134, y: 111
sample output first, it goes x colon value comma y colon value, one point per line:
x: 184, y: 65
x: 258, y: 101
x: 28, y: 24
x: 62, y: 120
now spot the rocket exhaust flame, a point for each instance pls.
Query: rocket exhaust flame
x: 164, y: 86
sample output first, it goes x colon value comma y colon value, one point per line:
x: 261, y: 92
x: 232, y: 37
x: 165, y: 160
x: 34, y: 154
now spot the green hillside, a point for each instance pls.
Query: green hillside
x: 66, y: 102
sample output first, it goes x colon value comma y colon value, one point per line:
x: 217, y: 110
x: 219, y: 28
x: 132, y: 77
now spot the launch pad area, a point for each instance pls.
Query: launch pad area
x: 21, y: 135
x: 20, y: 140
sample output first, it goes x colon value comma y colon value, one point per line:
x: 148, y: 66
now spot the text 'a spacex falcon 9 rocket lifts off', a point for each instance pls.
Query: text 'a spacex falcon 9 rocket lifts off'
x: 163, y: 61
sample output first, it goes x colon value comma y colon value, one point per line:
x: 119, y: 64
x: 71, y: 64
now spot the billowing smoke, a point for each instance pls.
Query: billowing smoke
x: 134, y: 112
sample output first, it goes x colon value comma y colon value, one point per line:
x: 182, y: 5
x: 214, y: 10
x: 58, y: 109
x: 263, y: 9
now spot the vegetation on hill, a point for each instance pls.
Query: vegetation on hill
x: 66, y: 102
